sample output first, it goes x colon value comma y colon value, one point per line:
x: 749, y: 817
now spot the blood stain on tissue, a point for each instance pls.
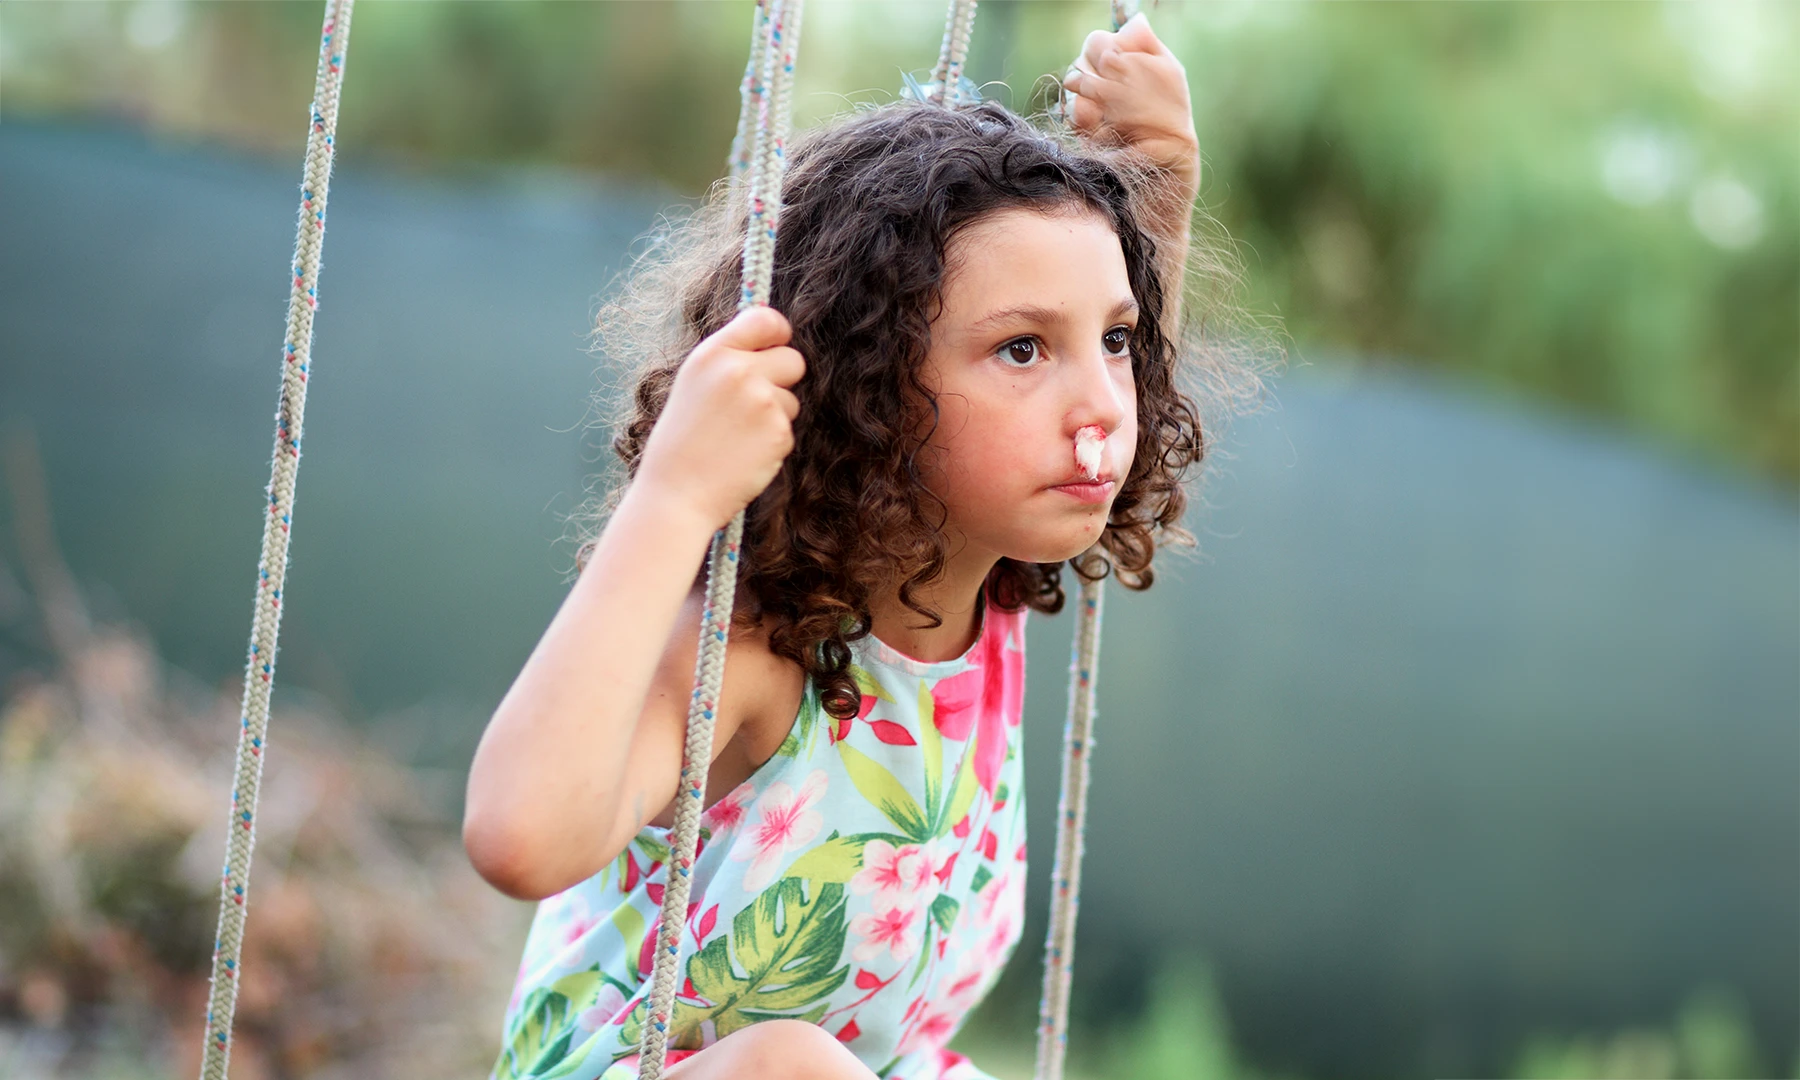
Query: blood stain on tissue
x: 1090, y: 441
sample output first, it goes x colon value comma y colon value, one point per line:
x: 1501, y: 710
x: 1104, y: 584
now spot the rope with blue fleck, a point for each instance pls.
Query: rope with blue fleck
x: 759, y: 155
x: 1071, y: 807
x: 959, y: 26
x: 1071, y: 826
x: 259, y: 674
x: 750, y: 92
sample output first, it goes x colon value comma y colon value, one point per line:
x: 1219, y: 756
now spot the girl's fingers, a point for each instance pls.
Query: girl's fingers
x: 755, y: 328
x: 1078, y: 81
x: 1095, y: 48
x: 782, y: 365
x: 1106, y: 53
x: 1085, y: 114
x: 1136, y: 36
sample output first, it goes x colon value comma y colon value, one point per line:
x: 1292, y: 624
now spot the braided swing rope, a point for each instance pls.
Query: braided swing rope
x: 751, y: 91
x: 259, y: 673
x: 767, y: 90
x: 1071, y: 828
x: 1071, y: 808
x: 959, y: 26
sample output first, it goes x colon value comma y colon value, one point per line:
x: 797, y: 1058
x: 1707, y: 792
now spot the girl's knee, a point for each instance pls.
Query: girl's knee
x: 799, y: 1050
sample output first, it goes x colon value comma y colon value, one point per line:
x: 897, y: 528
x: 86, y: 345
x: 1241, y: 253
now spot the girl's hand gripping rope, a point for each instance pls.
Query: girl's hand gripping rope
x: 1128, y: 86
x: 728, y: 423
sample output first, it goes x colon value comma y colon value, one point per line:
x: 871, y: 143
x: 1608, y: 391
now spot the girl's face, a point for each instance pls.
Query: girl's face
x: 1030, y: 348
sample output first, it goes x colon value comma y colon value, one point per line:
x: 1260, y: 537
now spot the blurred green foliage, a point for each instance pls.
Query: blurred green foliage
x: 1185, y: 1033
x: 1590, y: 203
x: 1587, y: 204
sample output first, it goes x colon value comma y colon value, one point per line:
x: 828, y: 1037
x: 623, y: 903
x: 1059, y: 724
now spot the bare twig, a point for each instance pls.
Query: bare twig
x: 65, y: 616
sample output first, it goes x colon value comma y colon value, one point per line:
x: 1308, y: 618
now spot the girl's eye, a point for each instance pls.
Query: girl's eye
x: 1021, y: 352
x: 1116, y: 340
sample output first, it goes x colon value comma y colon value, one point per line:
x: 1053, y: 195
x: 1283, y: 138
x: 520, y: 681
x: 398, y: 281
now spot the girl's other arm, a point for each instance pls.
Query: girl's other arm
x: 546, y: 785
x: 1130, y: 88
x: 586, y: 745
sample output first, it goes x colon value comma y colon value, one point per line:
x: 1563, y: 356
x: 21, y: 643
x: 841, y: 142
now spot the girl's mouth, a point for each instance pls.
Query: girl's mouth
x: 1087, y: 491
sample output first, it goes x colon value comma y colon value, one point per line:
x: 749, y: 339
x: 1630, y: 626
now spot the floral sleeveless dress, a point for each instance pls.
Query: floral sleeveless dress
x: 869, y: 878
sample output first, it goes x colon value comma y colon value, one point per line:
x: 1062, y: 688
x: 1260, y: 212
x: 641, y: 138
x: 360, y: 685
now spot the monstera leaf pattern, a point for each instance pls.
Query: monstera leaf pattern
x: 543, y: 1039
x: 884, y: 926
x: 787, y: 946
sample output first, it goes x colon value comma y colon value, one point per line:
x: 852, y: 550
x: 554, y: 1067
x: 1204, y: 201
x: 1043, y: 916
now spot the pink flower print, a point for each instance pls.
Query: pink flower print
x: 886, y: 730
x: 997, y: 947
x: 891, y: 931
x: 958, y: 993
x: 932, y: 1030
x: 987, y: 697
x: 933, y: 871
x: 891, y: 733
x: 1002, y: 896
x: 728, y: 812
x: 999, y: 918
x: 707, y: 922
x: 581, y: 920
x: 955, y: 1066
x: 953, y: 702
x: 894, y: 875
x: 605, y: 1007
x: 518, y: 993
x: 787, y: 823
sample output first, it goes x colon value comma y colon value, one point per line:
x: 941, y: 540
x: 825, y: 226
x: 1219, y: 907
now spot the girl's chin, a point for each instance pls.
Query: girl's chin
x: 1044, y: 550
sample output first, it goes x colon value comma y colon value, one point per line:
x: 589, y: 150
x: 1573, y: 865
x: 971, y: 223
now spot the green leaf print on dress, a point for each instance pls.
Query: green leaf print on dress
x: 806, y: 725
x: 882, y: 788
x: 787, y: 943
x: 541, y: 1044
x: 885, y: 791
x: 866, y: 878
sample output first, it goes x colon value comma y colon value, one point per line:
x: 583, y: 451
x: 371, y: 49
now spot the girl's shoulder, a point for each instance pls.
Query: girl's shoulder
x: 758, y: 698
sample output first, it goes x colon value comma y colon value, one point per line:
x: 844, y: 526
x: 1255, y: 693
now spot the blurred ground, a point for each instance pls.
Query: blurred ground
x: 372, y: 950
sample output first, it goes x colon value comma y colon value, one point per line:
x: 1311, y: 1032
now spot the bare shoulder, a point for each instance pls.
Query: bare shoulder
x: 759, y: 697
x: 757, y: 681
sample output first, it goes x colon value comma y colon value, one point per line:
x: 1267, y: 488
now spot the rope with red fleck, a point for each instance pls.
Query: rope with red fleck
x: 259, y: 674
x: 1071, y: 808
x: 1071, y: 826
x: 959, y: 26
x: 767, y: 88
x: 750, y: 93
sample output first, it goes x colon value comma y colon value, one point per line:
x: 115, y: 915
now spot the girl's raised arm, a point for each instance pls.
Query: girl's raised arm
x: 585, y: 747
x: 1131, y: 89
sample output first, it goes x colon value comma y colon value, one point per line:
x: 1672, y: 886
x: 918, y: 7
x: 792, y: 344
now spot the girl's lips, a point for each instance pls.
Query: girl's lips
x: 1094, y: 491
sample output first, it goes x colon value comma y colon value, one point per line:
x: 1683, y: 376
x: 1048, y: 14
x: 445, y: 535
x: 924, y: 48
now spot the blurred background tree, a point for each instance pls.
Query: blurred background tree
x: 1589, y: 204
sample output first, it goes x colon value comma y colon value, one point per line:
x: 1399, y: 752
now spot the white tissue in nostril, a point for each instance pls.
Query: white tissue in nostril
x: 1090, y: 441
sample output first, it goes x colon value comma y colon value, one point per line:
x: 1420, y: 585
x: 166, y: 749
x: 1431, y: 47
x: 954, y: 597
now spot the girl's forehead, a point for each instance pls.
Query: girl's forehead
x: 1018, y: 258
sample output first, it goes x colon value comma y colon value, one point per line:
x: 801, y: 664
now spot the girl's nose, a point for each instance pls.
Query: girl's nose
x: 1099, y: 394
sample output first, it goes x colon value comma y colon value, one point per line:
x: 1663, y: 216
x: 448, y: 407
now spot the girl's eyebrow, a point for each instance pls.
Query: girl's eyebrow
x: 1043, y: 315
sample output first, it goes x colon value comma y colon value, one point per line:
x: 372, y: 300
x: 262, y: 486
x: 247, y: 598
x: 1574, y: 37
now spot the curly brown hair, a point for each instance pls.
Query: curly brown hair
x: 871, y: 204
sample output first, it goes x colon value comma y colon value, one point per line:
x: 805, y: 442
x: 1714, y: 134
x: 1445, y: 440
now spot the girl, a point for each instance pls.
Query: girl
x: 962, y: 308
